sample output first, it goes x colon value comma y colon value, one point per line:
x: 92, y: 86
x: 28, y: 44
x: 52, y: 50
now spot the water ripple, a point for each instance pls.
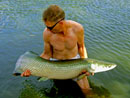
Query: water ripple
x: 107, y: 33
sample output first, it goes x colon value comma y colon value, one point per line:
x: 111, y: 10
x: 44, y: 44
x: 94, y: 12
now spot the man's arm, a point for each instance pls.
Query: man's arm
x: 81, y: 46
x: 47, y: 54
x: 83, y: 83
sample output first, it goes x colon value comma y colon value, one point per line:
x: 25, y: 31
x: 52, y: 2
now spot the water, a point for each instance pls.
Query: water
x: 107, y: 37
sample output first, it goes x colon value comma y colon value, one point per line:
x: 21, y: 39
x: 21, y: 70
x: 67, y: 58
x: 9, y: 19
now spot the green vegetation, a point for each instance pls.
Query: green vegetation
x: 31, y: 91
x: 98, y: 92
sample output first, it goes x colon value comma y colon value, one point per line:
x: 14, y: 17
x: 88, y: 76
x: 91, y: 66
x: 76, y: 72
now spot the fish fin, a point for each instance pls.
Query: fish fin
x: 38, y: 78
x: 81, y: 76
x: 42, y: 79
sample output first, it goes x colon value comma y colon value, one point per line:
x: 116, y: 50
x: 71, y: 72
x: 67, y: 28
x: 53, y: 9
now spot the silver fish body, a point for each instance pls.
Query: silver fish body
x: 61, y: 69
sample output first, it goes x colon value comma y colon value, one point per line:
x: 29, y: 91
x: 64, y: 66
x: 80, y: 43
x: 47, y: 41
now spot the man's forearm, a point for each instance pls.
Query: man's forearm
x: 83, y: 52
x: 45, y: 56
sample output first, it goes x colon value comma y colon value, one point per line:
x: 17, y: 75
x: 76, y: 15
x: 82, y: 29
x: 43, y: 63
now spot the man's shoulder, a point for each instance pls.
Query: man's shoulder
x: 46, y: 34
x: 76, y: 27
x: 74, y: 23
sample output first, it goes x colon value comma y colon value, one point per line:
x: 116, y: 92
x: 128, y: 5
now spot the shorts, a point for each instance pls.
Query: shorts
x: 76, y: 57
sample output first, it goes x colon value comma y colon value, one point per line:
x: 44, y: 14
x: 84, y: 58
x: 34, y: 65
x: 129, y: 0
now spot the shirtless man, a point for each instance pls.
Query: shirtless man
x: 63, y: 39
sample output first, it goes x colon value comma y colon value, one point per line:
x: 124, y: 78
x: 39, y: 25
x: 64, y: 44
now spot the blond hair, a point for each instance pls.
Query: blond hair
x: 53, y: 13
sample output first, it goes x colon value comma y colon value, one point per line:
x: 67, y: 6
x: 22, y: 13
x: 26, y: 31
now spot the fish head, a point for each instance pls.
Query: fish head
x: 100, y: 66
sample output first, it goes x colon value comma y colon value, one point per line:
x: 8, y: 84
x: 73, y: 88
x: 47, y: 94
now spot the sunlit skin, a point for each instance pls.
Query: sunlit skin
x: 65, y: 41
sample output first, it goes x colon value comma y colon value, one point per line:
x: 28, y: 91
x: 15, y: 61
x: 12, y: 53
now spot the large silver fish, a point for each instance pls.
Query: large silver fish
x: 61, y: 69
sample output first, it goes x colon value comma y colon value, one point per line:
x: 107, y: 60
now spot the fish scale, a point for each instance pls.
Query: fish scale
x: 60, y: 69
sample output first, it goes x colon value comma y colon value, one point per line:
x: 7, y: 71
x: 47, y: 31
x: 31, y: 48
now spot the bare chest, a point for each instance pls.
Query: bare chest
x: 61, y: 42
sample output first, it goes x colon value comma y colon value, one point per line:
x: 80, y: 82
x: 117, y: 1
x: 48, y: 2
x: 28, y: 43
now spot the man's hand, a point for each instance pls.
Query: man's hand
x: 86, y: 72
x: 26, y: 73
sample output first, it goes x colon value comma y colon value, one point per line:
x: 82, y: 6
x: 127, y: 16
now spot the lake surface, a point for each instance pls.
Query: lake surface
x: 107, y: 37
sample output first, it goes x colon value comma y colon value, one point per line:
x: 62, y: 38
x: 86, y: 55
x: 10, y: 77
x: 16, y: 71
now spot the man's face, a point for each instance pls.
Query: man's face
x: 54, y: 26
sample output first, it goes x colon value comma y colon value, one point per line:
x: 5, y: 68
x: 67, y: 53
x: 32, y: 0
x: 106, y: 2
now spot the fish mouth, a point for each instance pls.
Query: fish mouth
x: 113, y: 66
x: 95, y: 68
